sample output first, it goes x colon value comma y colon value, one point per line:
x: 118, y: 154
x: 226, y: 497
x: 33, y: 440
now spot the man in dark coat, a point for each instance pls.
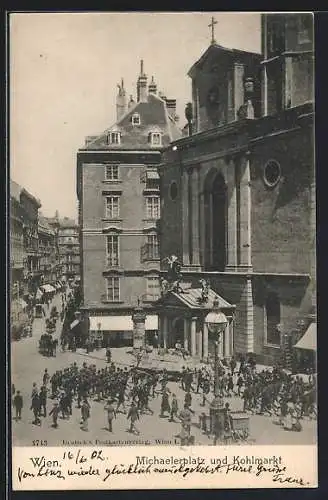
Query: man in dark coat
x: 55, y: 412
x: 133, y: 416
x: 43, y: 400
x: 35, y: 407
x: 111, y: 414
x: 18, y: 405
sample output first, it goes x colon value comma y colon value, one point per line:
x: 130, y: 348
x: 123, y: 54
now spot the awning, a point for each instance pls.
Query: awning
x: 309, y: 339
x: 151, y: 174
x: 22, y: 303
x: 74, y: 324
x: 120, y: 323
x: 48, y: 288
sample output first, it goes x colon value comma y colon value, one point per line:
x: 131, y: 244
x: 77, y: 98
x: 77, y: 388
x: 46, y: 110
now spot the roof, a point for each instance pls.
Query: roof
x: 153, y: 117
x: 15, y: 190
x: 67, y: 222
x: 191, y: 297
x: 43, y: 224
x: 220, y: 50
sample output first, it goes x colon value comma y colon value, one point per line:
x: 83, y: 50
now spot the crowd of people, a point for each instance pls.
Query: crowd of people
x: 130, y: 391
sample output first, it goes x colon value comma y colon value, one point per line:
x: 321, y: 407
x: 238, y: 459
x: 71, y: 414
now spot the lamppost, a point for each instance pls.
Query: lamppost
x: 216, y: 322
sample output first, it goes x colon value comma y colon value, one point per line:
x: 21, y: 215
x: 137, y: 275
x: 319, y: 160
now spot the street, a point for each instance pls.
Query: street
x: 28, y: 367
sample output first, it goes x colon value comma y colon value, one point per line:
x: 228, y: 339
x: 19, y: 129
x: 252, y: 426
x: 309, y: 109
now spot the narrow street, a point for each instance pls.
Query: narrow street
x: 28, y: 366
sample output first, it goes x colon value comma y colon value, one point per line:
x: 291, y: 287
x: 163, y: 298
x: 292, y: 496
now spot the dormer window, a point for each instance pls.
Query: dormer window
x: 155, y: 138
x: 135, y: 119
x: 114, y: 138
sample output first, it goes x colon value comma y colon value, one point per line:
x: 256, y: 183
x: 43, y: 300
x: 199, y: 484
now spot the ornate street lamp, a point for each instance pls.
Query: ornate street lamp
x: 216, y: 322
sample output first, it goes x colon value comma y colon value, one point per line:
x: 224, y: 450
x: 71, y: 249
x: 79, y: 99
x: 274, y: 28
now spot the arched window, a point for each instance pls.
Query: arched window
x: 272, y: 319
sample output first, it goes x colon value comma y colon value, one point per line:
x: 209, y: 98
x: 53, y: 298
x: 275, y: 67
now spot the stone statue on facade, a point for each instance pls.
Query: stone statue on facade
x: 174, y: 276
x: 205, y: 290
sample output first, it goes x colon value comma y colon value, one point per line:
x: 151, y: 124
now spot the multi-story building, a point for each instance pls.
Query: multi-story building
x: 48, y: 250
x: 69, y: 249
x: 119, y: 210
x: 24, y: 239
x: 17, y: 254
x: 239, y: 195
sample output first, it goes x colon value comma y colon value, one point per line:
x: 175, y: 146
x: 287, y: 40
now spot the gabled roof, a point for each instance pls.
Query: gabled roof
x: 191, y: 298
x: 220, y: 50
x: 153, y: 116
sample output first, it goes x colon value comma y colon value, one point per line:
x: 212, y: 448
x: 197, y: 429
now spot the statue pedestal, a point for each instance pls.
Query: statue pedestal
x: 139, y: 331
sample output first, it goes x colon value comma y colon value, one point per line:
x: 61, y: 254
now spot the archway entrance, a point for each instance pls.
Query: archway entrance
x: 215, y: 222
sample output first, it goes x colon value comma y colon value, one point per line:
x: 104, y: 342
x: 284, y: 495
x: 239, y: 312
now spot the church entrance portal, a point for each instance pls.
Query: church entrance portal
x: 215, y: 223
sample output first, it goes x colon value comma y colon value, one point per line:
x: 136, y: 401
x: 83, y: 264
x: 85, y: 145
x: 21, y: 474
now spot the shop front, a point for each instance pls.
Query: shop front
x: 117, y: 331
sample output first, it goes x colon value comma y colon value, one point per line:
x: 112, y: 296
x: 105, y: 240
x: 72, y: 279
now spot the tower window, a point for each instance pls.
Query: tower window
x: 136, y: 119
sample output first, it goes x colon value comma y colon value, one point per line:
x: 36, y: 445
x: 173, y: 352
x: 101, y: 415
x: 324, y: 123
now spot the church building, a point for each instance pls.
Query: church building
x: 238, y: 195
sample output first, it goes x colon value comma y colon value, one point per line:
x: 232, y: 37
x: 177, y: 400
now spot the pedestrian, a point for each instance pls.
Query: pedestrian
x: 54, y: 412
x: 43, y: 400
x: 174, y: 408
x: 206, y: 389
x: 34, y: 390
x: 18, y: 405
x: 185, y: 418
x: 85, y: 414
x: 233, y: 365
x: 111, y: 414
x: 165, y: 405
x: 133, y: 416
x: 188, y: 401
x: 121, y: 399
x: 35, y: 407
x: 46, y: 377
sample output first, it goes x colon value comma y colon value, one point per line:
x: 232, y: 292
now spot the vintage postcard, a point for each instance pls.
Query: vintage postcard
x: 162, y: 250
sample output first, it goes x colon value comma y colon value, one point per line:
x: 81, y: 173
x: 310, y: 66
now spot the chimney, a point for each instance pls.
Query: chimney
x: 171, y: 105
x: 152, y: 88
x: 131, y: 102
x: 142, y: 85
x: 121, y: 104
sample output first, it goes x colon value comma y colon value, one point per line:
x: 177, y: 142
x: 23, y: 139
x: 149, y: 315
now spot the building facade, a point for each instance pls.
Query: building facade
x: 48, y: 250
x: 238, y: 194
x: 69, y: 249
x: 119, y: 211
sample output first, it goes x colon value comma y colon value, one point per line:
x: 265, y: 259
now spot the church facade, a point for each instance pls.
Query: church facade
x: 238, y: 193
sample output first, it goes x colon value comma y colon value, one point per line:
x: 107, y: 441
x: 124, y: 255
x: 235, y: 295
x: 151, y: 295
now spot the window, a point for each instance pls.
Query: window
x: 114, y: 138
x: 135, y: 119
x: 272, y: 319
x: 155, y: 138
x: 152, y: 207
x: 153, y: 288
x: 173, y: 190
x: 111, y: 173
x: 272, y: 173
x: 152, y: 246
x: 112, y: 250
x: 113, y: 289
x: 112, y: 207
